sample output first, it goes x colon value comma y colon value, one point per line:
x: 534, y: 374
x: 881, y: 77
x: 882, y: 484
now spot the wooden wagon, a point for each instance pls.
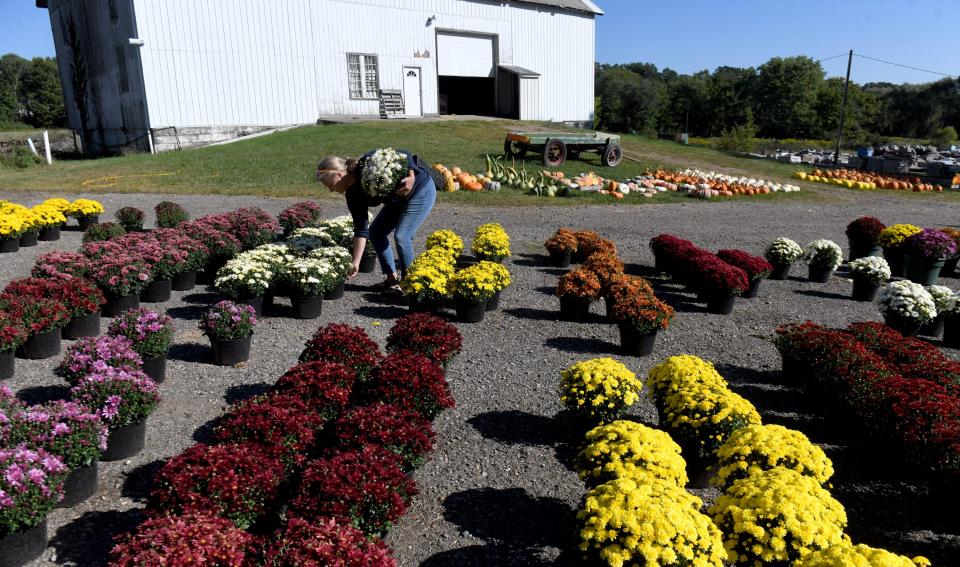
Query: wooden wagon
x: 555, y: 147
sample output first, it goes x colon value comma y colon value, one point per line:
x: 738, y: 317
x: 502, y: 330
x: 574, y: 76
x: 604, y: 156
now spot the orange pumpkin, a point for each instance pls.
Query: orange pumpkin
x: 456, y: 170
x: 474, y: 186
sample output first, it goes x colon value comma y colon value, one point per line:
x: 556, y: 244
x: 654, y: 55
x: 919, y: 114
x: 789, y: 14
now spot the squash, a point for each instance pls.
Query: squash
x: 617, y: 194
x: 456, y: 170
x: 474, y: 186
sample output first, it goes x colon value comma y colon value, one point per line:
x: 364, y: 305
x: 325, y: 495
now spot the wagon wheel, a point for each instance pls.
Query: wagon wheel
x: 612, y: 154
x: 512, y: 150
x: 554, y: 153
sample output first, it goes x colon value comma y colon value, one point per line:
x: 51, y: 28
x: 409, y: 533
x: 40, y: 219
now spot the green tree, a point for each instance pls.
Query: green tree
x: 12, y: 67
x: 861, y: 111
x: 730, y: 99
x: 785, y: 97
x: 943, y: 137
x: 687, y: 102
x: 42, y: 94
x: 629, y: 101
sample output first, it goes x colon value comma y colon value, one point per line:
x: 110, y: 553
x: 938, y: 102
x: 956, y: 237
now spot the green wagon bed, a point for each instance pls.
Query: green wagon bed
x: 555, y: 147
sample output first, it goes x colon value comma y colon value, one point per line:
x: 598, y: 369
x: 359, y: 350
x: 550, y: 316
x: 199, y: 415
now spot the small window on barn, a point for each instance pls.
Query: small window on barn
x: 112, y: 6
x: 363, y: 75
x: 122, y: 70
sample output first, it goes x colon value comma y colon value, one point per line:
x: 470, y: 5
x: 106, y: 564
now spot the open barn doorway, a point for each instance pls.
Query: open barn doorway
x: 466, y: 73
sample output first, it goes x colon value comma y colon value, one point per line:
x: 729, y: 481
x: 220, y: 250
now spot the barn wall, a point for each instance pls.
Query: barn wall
x: 250, y: 62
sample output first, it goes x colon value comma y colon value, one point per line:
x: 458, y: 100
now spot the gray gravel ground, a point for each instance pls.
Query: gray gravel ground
x: 498, y: 490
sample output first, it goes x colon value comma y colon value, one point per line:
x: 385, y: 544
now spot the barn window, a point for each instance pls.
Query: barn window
x: 122, y: 69
x: 363, y: 75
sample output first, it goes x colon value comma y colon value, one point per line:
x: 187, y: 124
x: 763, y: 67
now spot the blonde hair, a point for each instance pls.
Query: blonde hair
x: 334, y: 164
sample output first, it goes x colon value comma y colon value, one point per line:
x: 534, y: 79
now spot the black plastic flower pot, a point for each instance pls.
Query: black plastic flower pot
x: 951, y: 333
x: 661, y: 263
x: 9, y: 245
x: 125, y: 442
x: 28, y: 239
x: 368, y: 263
x: 80, y: 484
x: 753, y: 290
x: 49, y: 233
x: 42, y: 345
x: 231, y: 353
x: 933, y: 328
x: 155, y: 368
x: 417, y: 306
x: 860, y: 249
x: 864, y: 289
x: 8, y: 363
x: 906, y: 327
x: 819, y: 274
x: 721, y: 304
x: 335, y: 293
x: 209, y: 272
x: 922, y: 271
x: 83, y: 326
x: 470, y: 312
x: 634, y: 343
x: 561, y: 258
x: 87, y: 221
x: 22, y: 547
x: 156, y: 291
x: 494, y: 302
x: 117, y: 304
x: 184, y: 281
x: 574, y: 308
x: 309, y: 307
x: 949, y: 268
x: 255, y: 302
x: 780, y: 271
x: 896, y: 260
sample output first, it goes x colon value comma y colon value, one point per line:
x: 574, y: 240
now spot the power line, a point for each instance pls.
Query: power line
x: 829, y: 58
x: 904, y: 66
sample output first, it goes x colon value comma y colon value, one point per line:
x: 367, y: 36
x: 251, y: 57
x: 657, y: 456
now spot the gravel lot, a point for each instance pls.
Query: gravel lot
x: 498, y: 490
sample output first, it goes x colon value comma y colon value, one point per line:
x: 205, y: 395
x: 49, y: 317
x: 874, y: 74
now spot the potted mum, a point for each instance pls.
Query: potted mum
x: 165, y: 259
x: 446, y: 239
x: 350, y: 346
x: 326, y: 541
x: 229, y: 326
x: 891, y: 239
x: 640, y: 317
x: 401, y: 431
x: 49, y: 221
x: 622, y: 287
x: 69, y: 431
x: 926, y: 252
x: 170, y: 214
x: 299, y: 215
x: 81, y: 297
x: 586, y: 241
x: 472, y: 287
x: 252, y: 226
x: 951, y: 321
x: 906, y: 307
x: 427, y: 334
x: 245, y: 282
x: 220, y: 246
x: 200, y: 537
x: 86, y: 211
x: 501, y: 281
x: 950, y: 265
x: 599, y: 390
x: 26, y: 503
x: 121, y: 276
x: 102, y: 231
x: 11, y: 227
x: 491, y: 243
x: 97, y: 354
x: 720, y: 283
x: 823, y: 257
x: 781, y: 254
x: 123, y: 400
x: 62, y: 265
x: 150, y: 334
x: 561, y: 247
x: 187, y: 255
x: 307, y: 279
x: 339, y: 261
x: 862, y: 235
x: 326, y: 387
x: 130, y: 218
x: 665, y: 248
x: 409, y: 381
x: 869, y: 273
x: 12, y: 335
x: 942, y: 300
x: 44, y: 320
x: 606, y: 266
x: 577, y: 289
x: 31, y: 226
x: 756, y: 268
x: 427, y: 281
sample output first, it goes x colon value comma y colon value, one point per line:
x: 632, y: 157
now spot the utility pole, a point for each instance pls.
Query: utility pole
x: 843, y: 109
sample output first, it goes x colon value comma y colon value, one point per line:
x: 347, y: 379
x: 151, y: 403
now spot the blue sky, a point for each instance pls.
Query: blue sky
x: 691, y: 35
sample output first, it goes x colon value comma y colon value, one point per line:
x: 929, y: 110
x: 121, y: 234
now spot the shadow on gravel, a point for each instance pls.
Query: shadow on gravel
x: 498, y: 554
x: 643, y: 271
x: 381, y: 311
x: 204, y: 433
x: 44, y: 394
x: 582, y: 345
x: 385, y: 299
x: 534, y: 260
x: 88, y: 540
x: 516, y: 427
x: 554, y: 271
x: 202, y: 298
x: 190, y: 352
x: 821, y: 294
x: 512, y: 519
x: 240, y: 392
x: 189, y: 312
x: 138, y: 482
x: 534, y: 314
x: 547, y: 289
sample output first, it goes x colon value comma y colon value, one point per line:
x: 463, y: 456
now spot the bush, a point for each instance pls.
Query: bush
x: 580, y: 283
x: 180, y: 541
x: 410, y: 381
x: 400, y: 431
x: 757, y: 448
x: 627, y: 449
x: 325, y: 386
x: 865, y: 229
x: 562, y: 241
x: 599, y: 390
x: 426, y: 334
x: 350, y: 346
x: 739, y: 138
x: 103, y: 231
x: 170, y: 214
x: 325, y: 542
x: 130, y: 218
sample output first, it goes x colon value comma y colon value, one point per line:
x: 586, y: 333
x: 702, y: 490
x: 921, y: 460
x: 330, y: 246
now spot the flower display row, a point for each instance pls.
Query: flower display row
x: 332, y: 444
x: 22, y: 226
x: 706, y: 184
x: 919, y: 254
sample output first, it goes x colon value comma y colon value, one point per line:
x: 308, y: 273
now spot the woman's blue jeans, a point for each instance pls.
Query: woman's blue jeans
x: 403, y: 219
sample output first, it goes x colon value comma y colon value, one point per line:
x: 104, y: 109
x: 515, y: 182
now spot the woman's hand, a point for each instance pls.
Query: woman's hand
x: 354, y: 270
x: 405, y: 186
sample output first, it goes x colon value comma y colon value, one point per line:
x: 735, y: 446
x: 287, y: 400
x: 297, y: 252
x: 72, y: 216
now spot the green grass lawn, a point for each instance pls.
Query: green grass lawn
x: 283, y: 164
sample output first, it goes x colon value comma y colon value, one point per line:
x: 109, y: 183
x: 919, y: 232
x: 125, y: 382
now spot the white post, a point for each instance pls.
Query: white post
x: 150, y: 140
x: 33, y: 148
x: 46, y: 147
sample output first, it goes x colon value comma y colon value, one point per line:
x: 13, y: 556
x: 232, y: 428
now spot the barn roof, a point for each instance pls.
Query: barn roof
x: 575, y: 5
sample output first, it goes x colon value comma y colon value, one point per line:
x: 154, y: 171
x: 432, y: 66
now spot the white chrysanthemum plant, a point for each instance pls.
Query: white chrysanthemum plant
x: 941, y: 296
x: 242, y: 278
x: 873, y: 269
x: 823, y: 254
x: 304, y: 240
x: 272, y: 256
x: 949, y: 308
x: 338, y: 258
x: 309, y: 277
x: 907, y: 300
x: 783, y: 252
x: 382, y: 171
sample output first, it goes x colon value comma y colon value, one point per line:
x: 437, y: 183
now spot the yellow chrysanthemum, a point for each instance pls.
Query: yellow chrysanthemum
x: 623, y: 449
x: 757, y: 448
x: 83, y: 208
x: 600, y: 389
x: 850, y: 555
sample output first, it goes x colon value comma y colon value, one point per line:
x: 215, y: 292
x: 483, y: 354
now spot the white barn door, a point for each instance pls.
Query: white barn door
x: 412, y: 96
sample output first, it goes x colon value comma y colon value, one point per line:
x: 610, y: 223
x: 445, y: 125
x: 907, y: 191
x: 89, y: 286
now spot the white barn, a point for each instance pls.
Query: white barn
x: 161, y: 74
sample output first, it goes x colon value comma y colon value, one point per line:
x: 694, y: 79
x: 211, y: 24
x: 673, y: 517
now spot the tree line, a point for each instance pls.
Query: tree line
x: 30, y: 92
x: 787, y: 97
